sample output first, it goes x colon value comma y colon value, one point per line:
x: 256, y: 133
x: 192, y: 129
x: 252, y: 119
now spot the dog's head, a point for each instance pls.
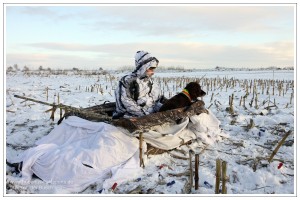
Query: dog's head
x: 195, y: 90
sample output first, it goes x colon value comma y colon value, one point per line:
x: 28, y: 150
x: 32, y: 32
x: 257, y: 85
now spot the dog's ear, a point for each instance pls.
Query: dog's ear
x: 202, y: 93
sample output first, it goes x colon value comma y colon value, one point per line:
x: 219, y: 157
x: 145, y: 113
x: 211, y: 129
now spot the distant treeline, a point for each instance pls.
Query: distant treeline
x: 101, y: 71
x: 250, y: 69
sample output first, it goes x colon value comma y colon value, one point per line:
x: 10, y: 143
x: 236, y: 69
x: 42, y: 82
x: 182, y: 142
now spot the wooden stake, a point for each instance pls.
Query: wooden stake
x: 196, y: 171
x: 279, y: 145
x: 141, y: 151
x: 231, y: 104
x: 212, y: 96
x: 241, y: 100
x: 292, y: 96
x: 218, y: 175
x: 53, y: 109
x: 191, y: 169
x: 47, y: 93
x: 273, y: 87
x: 60, y: 109
x: 224, y: 168
x: 256, y: 102
x: 52, y: 113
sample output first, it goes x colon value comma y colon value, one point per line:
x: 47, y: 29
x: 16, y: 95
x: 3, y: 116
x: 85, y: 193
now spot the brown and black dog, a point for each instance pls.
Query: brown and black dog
x: 190, y: 93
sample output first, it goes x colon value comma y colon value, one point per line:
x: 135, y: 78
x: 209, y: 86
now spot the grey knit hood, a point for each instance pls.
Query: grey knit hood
x: 143, y: 61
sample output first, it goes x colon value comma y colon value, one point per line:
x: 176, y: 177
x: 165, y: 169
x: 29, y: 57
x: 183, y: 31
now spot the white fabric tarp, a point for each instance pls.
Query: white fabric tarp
x: 170, y: 136
x: 61, y: 157
x: 78, y: 152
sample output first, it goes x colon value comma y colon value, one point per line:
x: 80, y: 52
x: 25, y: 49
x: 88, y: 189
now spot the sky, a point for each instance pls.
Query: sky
x: 202, y: 36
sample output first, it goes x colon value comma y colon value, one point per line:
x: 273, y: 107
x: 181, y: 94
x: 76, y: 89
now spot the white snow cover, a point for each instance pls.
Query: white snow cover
x: 27, y: 122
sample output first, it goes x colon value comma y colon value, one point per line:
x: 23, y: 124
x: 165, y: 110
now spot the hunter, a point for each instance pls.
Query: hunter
x: 136, y: 94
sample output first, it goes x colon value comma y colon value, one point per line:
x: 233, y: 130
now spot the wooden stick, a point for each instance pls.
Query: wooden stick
x: 141, y: 151
x: 218, y: 175
x: 60, y: 109
x: 196, y: 171
x: 47, y: 93
x: 209, y: 106
x: 273, y: 87
x: 279, y: 145
x: 224, y: 168
x: 231, y: 104
x: 241, y: 100
x: 178, y: 157
x: 292, y: 95
x: 10, y: 111
x: 212, y: 96
x: 52, y: 113
x: 191, y: 169
x: 256, y: 100
x: 85, y: 112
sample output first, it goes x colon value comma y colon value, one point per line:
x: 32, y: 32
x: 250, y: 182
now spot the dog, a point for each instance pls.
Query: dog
x: 189, y: 94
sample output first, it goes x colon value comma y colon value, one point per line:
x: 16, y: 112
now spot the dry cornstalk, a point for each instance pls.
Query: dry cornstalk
x: 141, y: 150
x: 254, y: 89
x: 209, y: 106
x: 250, y: 125
x: 279, y: 145
x: 180, y: 174
x: 196, y: 171
x: 273, y: 88
x: 191, y: 169
x: 292, y: 96
x: 231, y: 105
x: 218, y: 175
x: 60, y: 109
x: 52, y: 113
x: 212, y: 96
x: 12, y: 102
x: 178, y: 157
x: 256, y: 101
x: 224, y: 168
x: 241, y: 100
x: 47, y: 93
x: 10, y: 111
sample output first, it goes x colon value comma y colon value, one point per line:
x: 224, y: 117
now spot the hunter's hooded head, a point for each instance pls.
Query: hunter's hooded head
x: 143, y: 61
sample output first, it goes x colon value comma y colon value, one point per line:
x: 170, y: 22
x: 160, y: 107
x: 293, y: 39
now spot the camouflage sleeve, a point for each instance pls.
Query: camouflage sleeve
x: 156, y: 95
x: 130, y: 105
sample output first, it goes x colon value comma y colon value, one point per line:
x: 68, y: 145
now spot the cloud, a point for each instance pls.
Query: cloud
x: 164, y: 20
x: 41, y: 11
x: 190, y: 36
x: 55, y: 14
x: 169, y: 20
x: 191, y: 55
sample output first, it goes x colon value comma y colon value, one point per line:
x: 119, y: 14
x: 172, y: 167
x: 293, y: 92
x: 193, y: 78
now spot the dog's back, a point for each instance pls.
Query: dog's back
x: 177, y: 101
x: 190, y: 93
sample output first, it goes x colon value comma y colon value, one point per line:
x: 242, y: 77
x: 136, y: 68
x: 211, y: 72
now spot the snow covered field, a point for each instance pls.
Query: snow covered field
x: 266, y: 97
